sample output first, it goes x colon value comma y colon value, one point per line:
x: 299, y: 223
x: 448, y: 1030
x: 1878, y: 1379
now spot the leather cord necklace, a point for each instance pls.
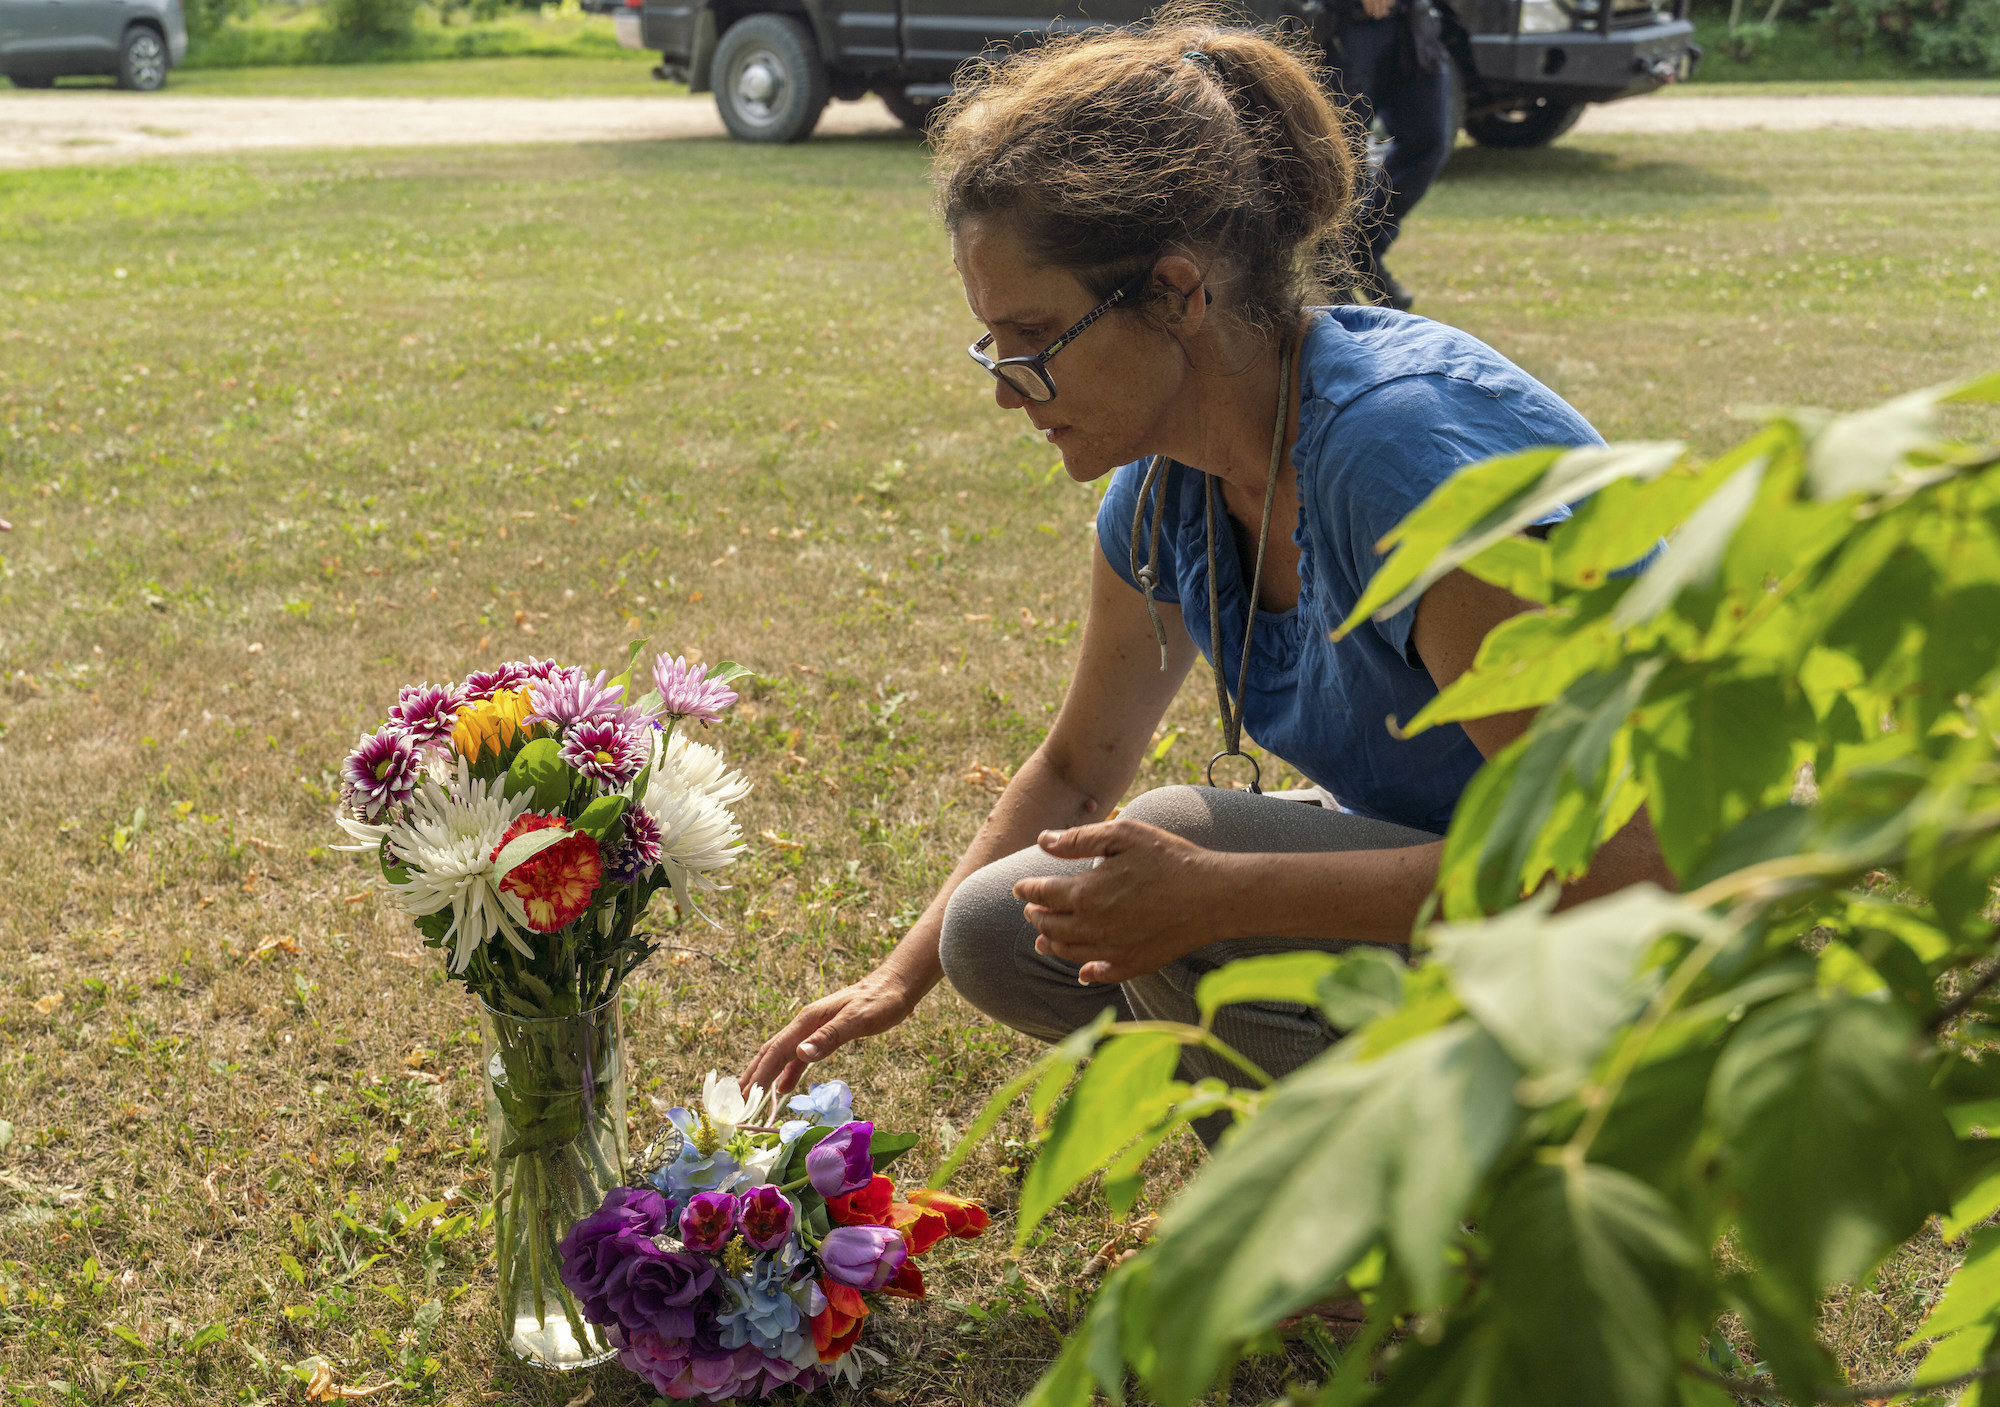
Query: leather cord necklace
x: 1153, y: 487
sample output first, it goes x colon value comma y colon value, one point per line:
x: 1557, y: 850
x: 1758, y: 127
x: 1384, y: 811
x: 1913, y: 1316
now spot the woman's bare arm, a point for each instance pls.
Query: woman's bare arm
x: 1156, y: 897
x: 1115, y: 699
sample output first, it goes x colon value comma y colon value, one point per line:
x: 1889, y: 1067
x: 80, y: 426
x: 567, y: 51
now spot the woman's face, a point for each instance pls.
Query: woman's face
x: 1114, y: 383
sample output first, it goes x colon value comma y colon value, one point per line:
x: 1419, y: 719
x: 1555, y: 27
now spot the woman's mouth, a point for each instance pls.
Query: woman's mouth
x: 1054, y: 433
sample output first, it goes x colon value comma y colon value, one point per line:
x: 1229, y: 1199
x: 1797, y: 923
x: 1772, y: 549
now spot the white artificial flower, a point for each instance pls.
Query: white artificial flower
x: 759, y: 1165
x: 726, y: 1105
x: 446, y: 840
x: 689, y: 793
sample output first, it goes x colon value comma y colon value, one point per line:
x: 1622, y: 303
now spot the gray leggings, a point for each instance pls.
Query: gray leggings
x: 988, y: 945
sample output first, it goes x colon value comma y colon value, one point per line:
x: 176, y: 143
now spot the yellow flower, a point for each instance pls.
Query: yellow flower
x: 491, y: 724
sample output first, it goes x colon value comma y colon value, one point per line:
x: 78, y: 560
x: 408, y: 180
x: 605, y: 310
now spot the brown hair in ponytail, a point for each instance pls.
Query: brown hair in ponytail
x: 1105, y: 150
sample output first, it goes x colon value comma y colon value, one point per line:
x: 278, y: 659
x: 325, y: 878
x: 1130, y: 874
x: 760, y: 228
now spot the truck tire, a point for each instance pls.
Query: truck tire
x: 769, y: 83
x: 1532, y: 123
x: 913, y: 113
x: 142, y: 60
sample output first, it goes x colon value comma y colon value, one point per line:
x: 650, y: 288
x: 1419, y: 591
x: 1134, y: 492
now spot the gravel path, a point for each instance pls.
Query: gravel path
x: 68, y: 126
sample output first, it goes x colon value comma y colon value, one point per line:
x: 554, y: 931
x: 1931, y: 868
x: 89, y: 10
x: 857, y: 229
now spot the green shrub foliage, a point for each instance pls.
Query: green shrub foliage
x: 1525, y: 1151
x: 371, y: 19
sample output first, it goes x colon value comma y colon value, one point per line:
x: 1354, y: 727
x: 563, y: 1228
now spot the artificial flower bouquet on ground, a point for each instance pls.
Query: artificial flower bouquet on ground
x: 525, y: 818
x: 747, y: 1260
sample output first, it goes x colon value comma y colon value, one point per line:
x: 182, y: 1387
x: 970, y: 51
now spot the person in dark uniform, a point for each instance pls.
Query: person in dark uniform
x: 1389, y: 61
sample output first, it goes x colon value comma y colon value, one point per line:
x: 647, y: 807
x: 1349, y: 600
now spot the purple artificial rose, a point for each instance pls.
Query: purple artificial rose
x: 659, y: 1361
x: 665, y: 1294
x: 863, y: 1257
x: 708, y: 1221
x: 765, y: 1214
x: 617, y: 1231
x: 840, y: 1162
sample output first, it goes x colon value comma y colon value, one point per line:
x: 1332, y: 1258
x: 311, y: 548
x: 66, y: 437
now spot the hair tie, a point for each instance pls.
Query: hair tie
x: 1206, y: 60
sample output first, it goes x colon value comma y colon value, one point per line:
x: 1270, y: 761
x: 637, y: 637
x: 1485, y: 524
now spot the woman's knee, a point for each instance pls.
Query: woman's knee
x: 1182, y: 810
x: 981, y: 922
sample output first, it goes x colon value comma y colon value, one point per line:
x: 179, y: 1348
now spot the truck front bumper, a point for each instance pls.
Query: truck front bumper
x: 1586, y: 66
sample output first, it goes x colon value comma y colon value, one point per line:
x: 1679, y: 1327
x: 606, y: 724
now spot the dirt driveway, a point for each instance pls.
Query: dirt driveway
x: 69, y: 126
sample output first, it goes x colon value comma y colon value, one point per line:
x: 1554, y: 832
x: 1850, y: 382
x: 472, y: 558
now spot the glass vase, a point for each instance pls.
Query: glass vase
x: 555, y: 1126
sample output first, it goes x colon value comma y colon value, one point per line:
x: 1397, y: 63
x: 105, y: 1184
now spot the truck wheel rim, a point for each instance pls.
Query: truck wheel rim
x: 761, y: 86
x: 148, y: 66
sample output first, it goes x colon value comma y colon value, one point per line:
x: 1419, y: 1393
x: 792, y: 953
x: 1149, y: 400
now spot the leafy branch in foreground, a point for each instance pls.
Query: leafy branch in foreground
x: 1529, y: 1146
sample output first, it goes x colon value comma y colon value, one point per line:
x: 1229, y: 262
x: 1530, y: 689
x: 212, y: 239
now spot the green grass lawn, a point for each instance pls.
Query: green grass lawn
x: 280, y: 434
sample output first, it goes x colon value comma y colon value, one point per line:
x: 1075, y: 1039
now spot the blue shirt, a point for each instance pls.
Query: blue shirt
x: 1390, y: 407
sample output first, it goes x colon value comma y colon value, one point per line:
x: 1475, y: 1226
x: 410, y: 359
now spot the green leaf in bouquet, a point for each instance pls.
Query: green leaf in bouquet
x: 434, y: 927
x: 1277, y: 977
x: 817, y: 1220
x: 728, y: 672
x: 601, y: 817
x: 538, y: 769
x: 795, y: 1161
x: 1127, y: 1088
x: 391, y: 871
x: 523, y: 848
x: 1366, y: 983
x: 885, y: 1148
x: 633, y: 650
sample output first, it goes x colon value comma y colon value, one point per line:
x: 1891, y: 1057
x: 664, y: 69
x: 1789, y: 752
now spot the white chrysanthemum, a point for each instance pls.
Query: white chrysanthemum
x: 689, y: 793
x: 446, y: 841
x: 726, y: 1105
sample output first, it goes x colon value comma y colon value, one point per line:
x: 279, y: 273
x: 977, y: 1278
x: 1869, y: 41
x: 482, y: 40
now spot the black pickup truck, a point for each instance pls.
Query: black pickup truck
x: 1526, y: 67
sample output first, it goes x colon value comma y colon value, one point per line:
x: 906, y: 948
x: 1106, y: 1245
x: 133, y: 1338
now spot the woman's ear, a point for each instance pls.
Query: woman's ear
x: 1184, y: 289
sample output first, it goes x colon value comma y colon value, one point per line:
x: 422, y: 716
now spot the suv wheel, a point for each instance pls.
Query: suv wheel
x: 769, y: 83
x: 142, y: 60
x: 1534, y: 123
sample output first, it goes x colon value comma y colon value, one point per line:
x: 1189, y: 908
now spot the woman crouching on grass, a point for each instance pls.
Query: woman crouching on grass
x: 1133, y: 216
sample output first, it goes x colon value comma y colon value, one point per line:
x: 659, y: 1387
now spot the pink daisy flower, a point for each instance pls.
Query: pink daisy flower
x: 427, y: 712
x: 687, y: 692
x: 485, y: 683
x: 606, y: 750
x: 639, y: 850
x: 381, y: 772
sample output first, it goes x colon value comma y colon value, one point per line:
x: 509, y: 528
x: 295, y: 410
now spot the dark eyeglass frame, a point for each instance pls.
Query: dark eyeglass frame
x: 1032, y: 372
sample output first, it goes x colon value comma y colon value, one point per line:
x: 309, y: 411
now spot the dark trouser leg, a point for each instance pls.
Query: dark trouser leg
x: 1415, y: 109
x: 988, y: 946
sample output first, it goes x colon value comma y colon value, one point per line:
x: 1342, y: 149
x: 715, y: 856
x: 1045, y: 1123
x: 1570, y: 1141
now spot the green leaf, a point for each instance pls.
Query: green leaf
x: 1491, y: 500
x: 633, y: 650
x: 538, y: 768
x: 523, y: 848
x: 1586, y: 1263
x: 1552, y: 988
x: 1618, y: 526
x: 1964, y: 1352
x: 1125, y: 1178
x: 1697, y: 548
x: 130, y: 1337
x: 1522, y: 663
x: 1833, y: 1141
x: 1343, y: 1154
x: 1517, y: 565
x: 728, y: 672
x: 1714, y: 755
x: 1279, y: 977
x: 1974, y: 1205
x: 1128, y: 1087
x: 601, y: 817
x: 213, y: 1333
x: 1070, y: 1051
x: 1978, y: 388
x: 795, y: 1161
x: 885, y: 1148
x: 1860, y: 453
x: 1367, y: 983
x: 1541, y: 804
x: 1972, y: 1297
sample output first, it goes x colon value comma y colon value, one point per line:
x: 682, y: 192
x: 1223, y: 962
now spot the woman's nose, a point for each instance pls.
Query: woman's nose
x: 1006, y: 397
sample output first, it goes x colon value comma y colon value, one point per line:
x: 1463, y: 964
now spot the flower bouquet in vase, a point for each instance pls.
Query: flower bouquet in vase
x: 525, y: 818
x: 748, y: 1259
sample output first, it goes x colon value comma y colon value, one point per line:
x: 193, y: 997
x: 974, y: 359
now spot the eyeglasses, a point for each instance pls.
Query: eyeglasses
x: 1029, y: 375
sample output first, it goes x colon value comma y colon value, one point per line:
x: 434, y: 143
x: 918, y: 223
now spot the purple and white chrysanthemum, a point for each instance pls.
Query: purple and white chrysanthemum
x: 541, y: 670
x: 381, y: 772
x: 571, y: 697
x: 607, y: 750
x: 427, y: 712
x: 686, y: 691
x: 485, y: 683
x: 638, y: 850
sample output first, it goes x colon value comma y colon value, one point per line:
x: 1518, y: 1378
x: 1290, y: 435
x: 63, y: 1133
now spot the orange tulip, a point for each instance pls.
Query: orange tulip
x: 837, y: 1327
x: 966, y: 1219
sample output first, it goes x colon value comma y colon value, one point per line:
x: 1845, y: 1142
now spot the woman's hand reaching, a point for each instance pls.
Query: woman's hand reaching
x: 879, y: 1001
x: 1152, y: 897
